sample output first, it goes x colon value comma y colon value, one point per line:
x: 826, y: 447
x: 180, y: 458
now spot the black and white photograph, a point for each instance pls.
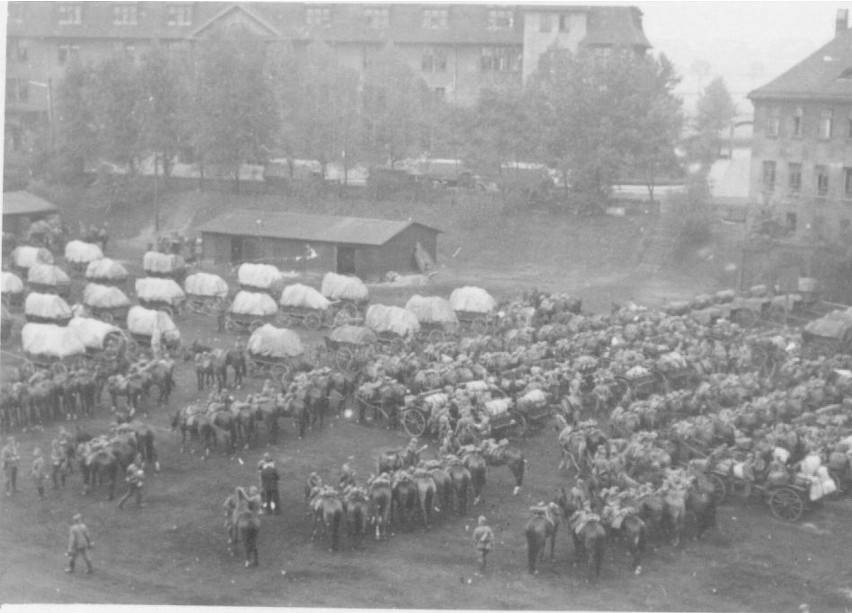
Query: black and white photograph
x: 531, y: 305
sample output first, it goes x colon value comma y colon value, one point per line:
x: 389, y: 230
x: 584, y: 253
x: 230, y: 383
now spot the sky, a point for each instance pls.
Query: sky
x: 746, y: 43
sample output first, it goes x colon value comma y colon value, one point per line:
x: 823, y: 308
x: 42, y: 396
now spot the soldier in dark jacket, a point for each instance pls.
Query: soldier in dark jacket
x: 79, y: 542
x: 133, y: 478
x: 269, y: 478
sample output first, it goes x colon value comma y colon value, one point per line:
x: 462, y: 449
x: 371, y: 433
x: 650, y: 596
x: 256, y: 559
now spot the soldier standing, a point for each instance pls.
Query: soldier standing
x: 38, y: 472
x: 269, y: 478
x: 57, y: 464
x: 347, y: 473
x: 10, y: 458
x: 133, y: 478
x: 483, y: 538
x: 79, y: 542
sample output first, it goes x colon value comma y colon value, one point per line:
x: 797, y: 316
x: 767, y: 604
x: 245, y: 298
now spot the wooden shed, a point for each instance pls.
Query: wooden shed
x: 367, y: 248
x: 23, y: 208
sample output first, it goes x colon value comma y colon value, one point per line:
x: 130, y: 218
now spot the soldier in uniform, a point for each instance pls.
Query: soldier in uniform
x: 483, y: 538
x: 38, y: 472
x: 133, y: 478
x: 57, y: 464
x: 347, y: 473
x: 269, y: 478
x: 79, y: 542
x: 11, y: 459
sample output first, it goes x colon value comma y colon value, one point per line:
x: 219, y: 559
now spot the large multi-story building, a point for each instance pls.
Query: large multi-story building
x: 801, y: 167
x: 457, y: 48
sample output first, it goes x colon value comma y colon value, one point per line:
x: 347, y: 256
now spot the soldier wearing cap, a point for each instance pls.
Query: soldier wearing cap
x: 10, y: 458
x: 269, y: 478
x: 57, y: 463
x: 483, y: 538
x: 347, y: 473
x: 79, y: 542
x: 38, y: 473
x: 133, y: 478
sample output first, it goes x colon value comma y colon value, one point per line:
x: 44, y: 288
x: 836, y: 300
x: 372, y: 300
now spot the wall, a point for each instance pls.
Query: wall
x: 397, y: 254
x: 537, y: 42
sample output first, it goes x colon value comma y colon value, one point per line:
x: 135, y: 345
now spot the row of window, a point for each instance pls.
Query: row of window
x: 17, y: 90
x: 822, y: 179
x: 826, y: 127
x: 818, y: 225
x: 128, y: 14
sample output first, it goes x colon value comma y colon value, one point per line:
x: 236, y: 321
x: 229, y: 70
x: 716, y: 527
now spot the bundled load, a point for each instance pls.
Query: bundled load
x: 144, y: 322
x: 26, y: 256
x: 532, y: 398
x: 46, y: 308
x: 51, y: 341
x: 155, y: 289
x: 397, y: 320
x: 78, y: 252
x: 253, y: 303
x: 353, y: 335
x: 637, y: 372
x: 586, y: 363
x: 92, y: 332
x: 677, y: 307
x: 47, y: 275
x: 341, y: 287
x: 472, y: 300
x: 832, y: 325
x: 104, y: 297
x: 258, y: 276
x: 303, y: 296
x: 724, y: 296
x: 206, y: 284
x: 498, y: 407
x: 476, y: 387
x: 671, y: 362
x: 431, y: 309
x: 270, y: 341
x: 10, y: 284
x: 106, y: 269
x: 161, y: 264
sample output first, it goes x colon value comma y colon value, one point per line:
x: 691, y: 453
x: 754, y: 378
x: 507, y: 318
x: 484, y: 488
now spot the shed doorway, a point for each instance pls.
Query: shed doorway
x: 346, y: 260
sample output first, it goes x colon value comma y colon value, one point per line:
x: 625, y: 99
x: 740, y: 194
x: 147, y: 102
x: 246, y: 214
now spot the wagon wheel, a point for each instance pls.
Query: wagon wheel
x: 479, y: 326
x: 719, y: 489
x: 168, y: 310
x: 777, y: 314
x: 786, y: 504
x: 230, y: 324
x: 436, y: 336
x: 321, y: 355
x: 313, y: 321
x: 255, y: 324
x: 107, y: 317
x: 344, y: 358
x: 348, y: 314
x: 283, y: 320
x: 746, y: 318
x: 59, y: 368
x: 518, y: 427
x: 211, y: 305
x: 413, y: 422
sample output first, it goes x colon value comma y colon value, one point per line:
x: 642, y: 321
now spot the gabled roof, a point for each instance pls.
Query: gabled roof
x: 615, y: 26
x: 238, y: 8
x: 25, y: 203
x: 302, y: 227
x: 815, y: 77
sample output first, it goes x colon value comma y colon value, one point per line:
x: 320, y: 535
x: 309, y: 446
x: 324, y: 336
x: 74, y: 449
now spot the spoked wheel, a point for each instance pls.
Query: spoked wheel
x: 786, y: 504
x: 347, y: 314
x: 719, y: 488
x: 413, y: 422
x: 479, y: 326
x: 107, y: 317
x: 519, y: 426
x: 59, y: 368
x: 344, y: 358
x: 746, y: 318
x: 230, y: 324
x: 436, y: 336
x: 255, y: 324
x: 283, y: 320
x: 777, y: 314
x: 313, y: 321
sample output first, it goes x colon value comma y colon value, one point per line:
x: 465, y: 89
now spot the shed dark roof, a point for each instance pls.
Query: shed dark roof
x: 815, y: 77
x: 25, y: 203
x: 314, y: 228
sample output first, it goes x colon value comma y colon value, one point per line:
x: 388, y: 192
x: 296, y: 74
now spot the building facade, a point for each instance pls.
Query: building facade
x: 801, y: 168
x: 457, y: 48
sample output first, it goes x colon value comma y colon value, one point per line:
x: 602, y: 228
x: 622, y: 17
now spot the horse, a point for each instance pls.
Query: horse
x: 145, y: 445
x: 356, y: 507
x: 404, y: 496
x: 129, y: 387
x: 103, y: 463
x: 668, y: 509
x: 701, y: 502
x: 426, y: 493
x: 225, y: 358
x: 539, y: 528
x: 589, y: 537
x: 244, y: 422
x: 328, y: 512
x: 443, y: 488
x: 477, y: 466
x: 513, y: 458
x: 159, y: 375
x: 381, y: 499
x: 460, y: 478
x: 245, y: 528
x: 269, y: 412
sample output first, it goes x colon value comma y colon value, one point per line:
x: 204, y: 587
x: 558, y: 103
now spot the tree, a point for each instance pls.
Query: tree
x: 76, y: 131
x: 118, y: 111
x: 237, y: 118
x: 714, y: 112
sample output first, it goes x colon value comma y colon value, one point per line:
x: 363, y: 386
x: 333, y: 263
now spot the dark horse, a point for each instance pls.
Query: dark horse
x: 381, y: 497
x: 328, y: 513
x: 460, y: 480
x: 219, y: 362
x: 589, y: 536
x: 511, y: 457
x: 356, y: 507
x: 478, y: 467
x: 539, y: 528
x: 245, y: 528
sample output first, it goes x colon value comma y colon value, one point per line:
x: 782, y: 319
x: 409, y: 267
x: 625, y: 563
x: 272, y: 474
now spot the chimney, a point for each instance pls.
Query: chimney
x: 841, y: 24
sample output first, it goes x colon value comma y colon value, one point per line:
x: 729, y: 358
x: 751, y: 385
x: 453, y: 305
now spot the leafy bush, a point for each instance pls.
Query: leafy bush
x: 123, y: 191
x: 692, y: 223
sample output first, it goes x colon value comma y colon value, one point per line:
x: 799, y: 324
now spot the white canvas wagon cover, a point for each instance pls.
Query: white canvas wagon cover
x: 206, y: 284
x: 275, y: 342
x: 106, y: 268
x: 92, y: 332
x: 104, y: 296
x: 47, y: 274
x: 162, y: 263
x: 25, y: 256
x: 472, y: 300
x: 398, y: 320
x: 261, y: 276
x: 142, y: 321
x: 431, y: 309
x: 303, y: 296
x: 51, y: 340
x: 832, y: 325
x: 159, y: 289
x: 46, y: 306
x: 10, y: 283
x: 342, y: 287
x: 353, y: 335
x: 253, y: 303
x: 78, y: 252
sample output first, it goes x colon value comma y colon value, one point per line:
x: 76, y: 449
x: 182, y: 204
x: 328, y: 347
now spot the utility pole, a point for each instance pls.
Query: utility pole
x: 156, y: 199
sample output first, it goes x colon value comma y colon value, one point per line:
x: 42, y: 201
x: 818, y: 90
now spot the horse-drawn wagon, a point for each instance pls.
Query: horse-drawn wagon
x: 162, y: 294
x: 107, y: 271
x: 533, y: 408
x: 206, y: 293
x: 149, y: 328
x: 436, y: 316
x: 273, y: 351
x: 394, y: 326
x: 79, y: 254
x: 829, y: 334
x: 303, y: 305
x: 101, y: 338
x: 169, y: 266
x: 249, y: 311
x: 504, y: 418
x: 106, y: 302
x: 49, y: 279
x: 48, y: 346
x: 260, y: 278
x: 25, y: 256
x: 11, y: 288
x: 352, y: 295
x: 474, y: 308
x: 46, y: 309
x: 348, y: 343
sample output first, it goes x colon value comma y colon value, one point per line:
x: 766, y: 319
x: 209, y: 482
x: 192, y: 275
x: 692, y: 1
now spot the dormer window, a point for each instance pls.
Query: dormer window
x: 125, y: 15
x: 435, y: 19
x: 377, y: 18
x: 319, y: 17
x: 70, y: 14
x: 179, y: 15
x: 500, y: 19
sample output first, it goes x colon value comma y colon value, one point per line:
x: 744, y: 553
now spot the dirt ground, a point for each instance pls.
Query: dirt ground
x: 173, y: 551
